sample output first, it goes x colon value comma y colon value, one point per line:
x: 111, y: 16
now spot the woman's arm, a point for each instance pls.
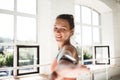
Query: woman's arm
x: 54, y: 64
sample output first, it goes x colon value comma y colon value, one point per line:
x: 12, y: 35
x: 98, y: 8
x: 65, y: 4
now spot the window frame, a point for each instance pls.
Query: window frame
x: 108, y: 57
x: 27, y: 46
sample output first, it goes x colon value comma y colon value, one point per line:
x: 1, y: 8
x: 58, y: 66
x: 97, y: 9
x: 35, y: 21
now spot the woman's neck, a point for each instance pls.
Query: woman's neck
x: 62, y: 44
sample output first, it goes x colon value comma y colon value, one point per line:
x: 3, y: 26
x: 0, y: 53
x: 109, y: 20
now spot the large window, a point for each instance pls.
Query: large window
x: 18, y: 26
x: 87, y: 32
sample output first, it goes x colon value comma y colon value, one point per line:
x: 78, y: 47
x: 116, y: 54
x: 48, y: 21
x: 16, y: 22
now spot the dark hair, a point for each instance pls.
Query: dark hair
x: 69, y: 18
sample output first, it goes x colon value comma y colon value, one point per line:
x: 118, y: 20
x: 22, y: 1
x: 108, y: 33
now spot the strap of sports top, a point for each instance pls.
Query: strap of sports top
x: 60, y: 54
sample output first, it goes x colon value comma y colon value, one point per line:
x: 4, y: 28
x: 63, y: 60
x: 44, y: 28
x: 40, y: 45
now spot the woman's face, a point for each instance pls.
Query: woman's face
x: 62, y: 30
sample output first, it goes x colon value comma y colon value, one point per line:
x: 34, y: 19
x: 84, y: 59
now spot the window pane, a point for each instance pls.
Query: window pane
x: 6, y: 60
x: 77, y: 13
x: 102, y: 54
x: 96, y: 35
x: 26, y: 30
x: 26, y: 6
x: 28, y: 56
x: 86, y: 15
x: 77, y: 35
x: 6, y: 28
x: 86, y: 35
x: 95, y: 17
x: 87, y: 54
x: 7, y: 4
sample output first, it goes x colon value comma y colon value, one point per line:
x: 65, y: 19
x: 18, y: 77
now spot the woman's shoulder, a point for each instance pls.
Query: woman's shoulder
x: 72, y: 51
x: 70, y: 48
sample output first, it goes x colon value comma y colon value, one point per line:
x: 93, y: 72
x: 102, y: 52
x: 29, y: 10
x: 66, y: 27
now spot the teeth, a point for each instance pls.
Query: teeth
x: 58, y: 36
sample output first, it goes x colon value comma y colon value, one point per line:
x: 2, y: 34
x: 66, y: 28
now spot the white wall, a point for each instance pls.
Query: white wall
x: 108, y: 31
x: 117, y: 32
x: 116, y: 25
x: 62, y: 6
x: 111, y: 31
x: 117, y: 29
x: 45, y: 32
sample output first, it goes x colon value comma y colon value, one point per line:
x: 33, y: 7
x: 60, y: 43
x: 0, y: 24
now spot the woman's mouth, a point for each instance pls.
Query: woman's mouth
x: 58, y: 38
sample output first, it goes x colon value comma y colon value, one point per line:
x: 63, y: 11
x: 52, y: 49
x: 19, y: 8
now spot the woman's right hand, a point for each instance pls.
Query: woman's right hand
x: 73, y: 72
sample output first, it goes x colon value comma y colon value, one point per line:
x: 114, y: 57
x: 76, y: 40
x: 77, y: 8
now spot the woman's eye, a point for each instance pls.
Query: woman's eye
x: 55, y: 28
x: 60, y: 29
x: 63, y: 29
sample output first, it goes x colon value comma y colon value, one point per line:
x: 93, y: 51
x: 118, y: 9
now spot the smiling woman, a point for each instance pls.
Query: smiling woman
x: 67, y: 59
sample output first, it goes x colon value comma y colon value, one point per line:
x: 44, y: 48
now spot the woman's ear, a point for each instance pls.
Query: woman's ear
x: 72, y: 32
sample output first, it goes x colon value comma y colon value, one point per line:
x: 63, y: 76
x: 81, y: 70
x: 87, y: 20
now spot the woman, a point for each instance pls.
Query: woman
x: 67, y: 58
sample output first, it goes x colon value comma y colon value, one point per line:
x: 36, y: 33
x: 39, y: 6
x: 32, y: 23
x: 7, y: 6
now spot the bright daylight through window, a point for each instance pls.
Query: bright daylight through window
x: 87, y: 32
x: 18, y: 19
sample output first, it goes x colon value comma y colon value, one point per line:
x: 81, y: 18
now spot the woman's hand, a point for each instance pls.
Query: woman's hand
x: 73, y: 72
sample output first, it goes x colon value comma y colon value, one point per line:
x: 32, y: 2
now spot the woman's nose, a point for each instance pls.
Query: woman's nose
x: 57, y: 30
